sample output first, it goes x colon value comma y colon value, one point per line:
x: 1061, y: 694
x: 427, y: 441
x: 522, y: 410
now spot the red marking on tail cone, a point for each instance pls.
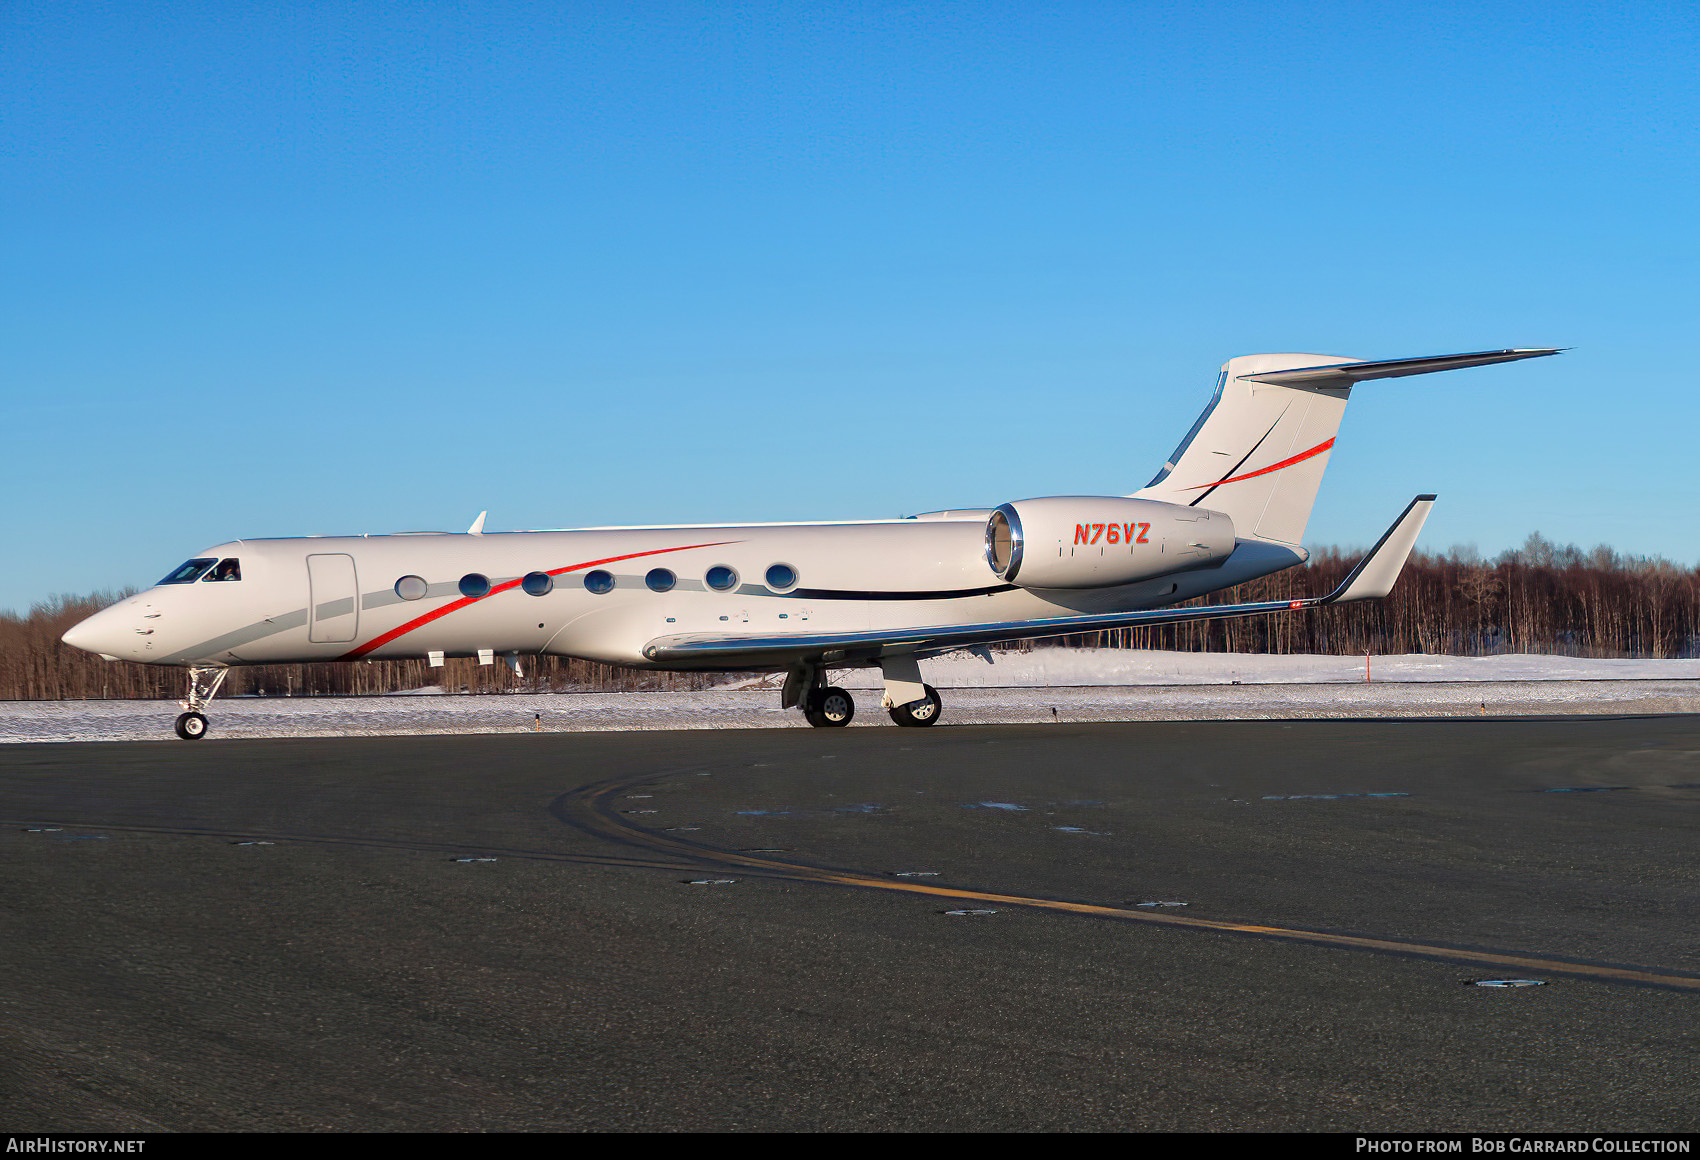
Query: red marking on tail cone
x: 454, y: 606
x: 1299, y: 458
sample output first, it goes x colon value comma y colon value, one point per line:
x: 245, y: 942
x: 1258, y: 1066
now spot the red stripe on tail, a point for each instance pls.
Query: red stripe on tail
x: 1299, y: 458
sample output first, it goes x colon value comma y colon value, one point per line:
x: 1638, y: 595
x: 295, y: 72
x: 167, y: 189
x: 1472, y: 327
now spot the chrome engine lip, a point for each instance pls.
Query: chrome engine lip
x: 1012, y: 520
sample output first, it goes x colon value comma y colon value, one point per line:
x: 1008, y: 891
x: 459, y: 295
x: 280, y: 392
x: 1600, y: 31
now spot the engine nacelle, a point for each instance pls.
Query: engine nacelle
x: 1099, y: 541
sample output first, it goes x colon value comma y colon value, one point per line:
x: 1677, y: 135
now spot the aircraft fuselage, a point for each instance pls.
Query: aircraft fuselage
x: 609, y: 592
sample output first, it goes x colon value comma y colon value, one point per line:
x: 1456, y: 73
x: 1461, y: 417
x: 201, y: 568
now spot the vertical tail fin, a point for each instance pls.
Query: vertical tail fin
x: 1258, y: 452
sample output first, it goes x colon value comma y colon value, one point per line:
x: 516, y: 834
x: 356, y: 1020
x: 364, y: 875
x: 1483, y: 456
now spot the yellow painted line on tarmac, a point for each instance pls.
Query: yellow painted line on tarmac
x: 1487, y: 958
x: 1518, y: 962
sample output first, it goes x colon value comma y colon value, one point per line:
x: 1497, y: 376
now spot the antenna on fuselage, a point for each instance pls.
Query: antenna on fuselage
x: 477, y: 528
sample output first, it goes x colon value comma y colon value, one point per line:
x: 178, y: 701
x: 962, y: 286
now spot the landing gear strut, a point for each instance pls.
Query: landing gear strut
x: 926, y: 711
x: 910, y: 701
x: 829, y: 707
x: 204, y: 681
x: 824, y: 706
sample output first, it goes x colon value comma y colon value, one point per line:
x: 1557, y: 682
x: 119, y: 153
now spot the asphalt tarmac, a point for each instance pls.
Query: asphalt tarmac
x: 287, y: 934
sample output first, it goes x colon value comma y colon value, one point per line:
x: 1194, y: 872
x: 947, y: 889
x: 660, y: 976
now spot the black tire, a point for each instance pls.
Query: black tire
x: 919, y: 714
x: 830, y: 708
x: 191, y: 726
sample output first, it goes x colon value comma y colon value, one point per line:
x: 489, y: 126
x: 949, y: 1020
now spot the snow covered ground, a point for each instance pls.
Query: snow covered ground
x: 1061, y: 685
x: 1086, y: 666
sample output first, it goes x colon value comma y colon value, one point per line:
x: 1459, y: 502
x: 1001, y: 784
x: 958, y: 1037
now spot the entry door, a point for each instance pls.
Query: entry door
x: 333, y: 603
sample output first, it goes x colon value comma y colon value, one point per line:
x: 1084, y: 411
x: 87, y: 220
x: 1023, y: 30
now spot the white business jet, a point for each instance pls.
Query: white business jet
x: 1229, y: 506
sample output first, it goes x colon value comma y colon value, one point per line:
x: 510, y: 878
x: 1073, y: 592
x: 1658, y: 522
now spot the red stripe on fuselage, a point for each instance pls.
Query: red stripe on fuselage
x: 454, y: 606
x: 1299, y: 458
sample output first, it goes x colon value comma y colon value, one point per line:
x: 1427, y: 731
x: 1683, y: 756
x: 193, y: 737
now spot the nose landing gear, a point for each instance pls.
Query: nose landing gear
x: 204, y: 682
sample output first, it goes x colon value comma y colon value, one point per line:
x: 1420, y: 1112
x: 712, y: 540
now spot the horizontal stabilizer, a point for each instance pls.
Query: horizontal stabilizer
x: 1347, y: 373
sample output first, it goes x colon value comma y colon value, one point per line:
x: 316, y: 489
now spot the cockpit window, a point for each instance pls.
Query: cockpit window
x: 189, y: 573
x: 230, y: 569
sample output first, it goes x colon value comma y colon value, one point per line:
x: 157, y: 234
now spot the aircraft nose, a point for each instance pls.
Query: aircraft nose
x: 101, y: 633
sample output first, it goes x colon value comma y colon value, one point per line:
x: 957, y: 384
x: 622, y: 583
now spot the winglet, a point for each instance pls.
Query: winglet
x: 477, y: 528
x: 1374, y: 576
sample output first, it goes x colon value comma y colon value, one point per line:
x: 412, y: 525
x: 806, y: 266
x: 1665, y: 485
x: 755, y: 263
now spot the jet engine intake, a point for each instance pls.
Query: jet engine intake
x: 1101, y: 541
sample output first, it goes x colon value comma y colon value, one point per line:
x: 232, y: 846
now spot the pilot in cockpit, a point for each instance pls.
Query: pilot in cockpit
x: 229, y: 569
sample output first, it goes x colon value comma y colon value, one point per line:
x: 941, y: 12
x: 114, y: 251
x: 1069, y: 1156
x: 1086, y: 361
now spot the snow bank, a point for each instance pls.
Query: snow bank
x: 1052, y: 667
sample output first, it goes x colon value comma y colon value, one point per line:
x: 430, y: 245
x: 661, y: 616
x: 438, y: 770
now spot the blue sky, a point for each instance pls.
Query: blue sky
x: 363, y: 268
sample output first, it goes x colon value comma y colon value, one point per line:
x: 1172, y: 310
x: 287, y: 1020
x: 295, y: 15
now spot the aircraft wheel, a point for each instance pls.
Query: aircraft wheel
x: 830, y: 708
x: 919, y: 713
x: 191, y: 726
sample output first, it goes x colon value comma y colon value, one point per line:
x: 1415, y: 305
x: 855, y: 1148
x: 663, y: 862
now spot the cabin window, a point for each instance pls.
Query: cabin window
x: 721, y: 578
x: 538, y: 583
x: 189, y: 572
x: 781, y: 576
x: 599, y: 581
x: 411, y: 587
x: 660, y: 580
x: 474, y: 584
x: 230, y: 569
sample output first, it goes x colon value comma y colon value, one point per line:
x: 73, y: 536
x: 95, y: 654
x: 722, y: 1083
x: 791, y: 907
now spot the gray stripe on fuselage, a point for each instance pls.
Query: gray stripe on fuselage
x: 215, y: 648
x: 230, y: 641
x: 384, y: 597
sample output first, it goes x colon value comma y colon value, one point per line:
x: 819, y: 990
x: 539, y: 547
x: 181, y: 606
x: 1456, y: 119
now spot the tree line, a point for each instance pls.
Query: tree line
x: 1540, y: 598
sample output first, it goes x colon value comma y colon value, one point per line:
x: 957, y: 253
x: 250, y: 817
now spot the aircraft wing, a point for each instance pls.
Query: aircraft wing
x: 1372, y: 579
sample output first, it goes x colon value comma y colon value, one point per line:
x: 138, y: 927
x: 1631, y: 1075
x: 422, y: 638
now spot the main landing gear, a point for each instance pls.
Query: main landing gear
x: 824, y: 706
x: 910, y: 702
x: 204, y: 681
x: 926, y: 711
x: 829, y: 707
